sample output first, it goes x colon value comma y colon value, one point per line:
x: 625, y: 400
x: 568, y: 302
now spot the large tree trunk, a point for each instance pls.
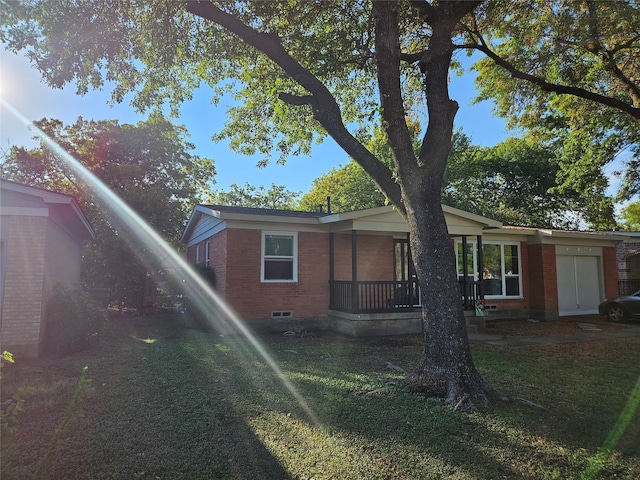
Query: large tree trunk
x: 446, y: 367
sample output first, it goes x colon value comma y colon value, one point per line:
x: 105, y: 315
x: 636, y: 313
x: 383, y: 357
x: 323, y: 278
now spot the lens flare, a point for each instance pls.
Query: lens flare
x: 631, y: 407
x: 205, y: 299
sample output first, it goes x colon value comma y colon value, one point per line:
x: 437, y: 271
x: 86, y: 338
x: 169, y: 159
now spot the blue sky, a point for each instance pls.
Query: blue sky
x: 22, y: 87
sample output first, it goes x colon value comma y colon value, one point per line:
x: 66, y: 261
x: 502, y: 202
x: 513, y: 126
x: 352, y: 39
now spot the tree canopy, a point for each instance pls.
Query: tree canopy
x: 631, y: 217
x: 516, y: 182
x: 580, y: 62
x: 275, y: 197
x: 148, y: 165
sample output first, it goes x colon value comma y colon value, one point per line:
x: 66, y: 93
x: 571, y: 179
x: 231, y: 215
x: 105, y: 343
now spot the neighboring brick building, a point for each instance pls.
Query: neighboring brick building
x: 352, y: 271
x: 41, y: 237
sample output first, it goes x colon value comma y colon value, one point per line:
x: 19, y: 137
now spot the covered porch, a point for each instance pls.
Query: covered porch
x: 400, y: 293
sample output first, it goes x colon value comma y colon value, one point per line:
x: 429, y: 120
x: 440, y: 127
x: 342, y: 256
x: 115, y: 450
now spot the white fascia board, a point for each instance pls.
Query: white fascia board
x: 83, y: 219
x: 280, y: 226
x: 487, y: 222
x: 339, y: 217
x: 530, y: 232
x: 197, y: 212
x: 560, y: 237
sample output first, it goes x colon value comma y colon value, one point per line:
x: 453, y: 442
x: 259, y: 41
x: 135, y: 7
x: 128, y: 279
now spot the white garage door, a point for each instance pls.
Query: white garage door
x: 578, y: 284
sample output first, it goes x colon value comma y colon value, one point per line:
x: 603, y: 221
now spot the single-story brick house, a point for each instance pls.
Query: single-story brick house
x: 353, y: 271
x: 41, y: 238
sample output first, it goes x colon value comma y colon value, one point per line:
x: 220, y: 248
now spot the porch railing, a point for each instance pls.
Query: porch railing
x: 373, y: 296
x: 388, y: 296
x: 627, y: 287
x: 471, y: 291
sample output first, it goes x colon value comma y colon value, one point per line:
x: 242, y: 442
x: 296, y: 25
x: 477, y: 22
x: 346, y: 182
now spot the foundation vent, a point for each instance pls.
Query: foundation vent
x: 282, y: 314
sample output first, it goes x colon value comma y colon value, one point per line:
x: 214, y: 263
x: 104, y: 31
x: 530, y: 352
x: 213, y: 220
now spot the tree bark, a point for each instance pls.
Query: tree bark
x: 446, y: 367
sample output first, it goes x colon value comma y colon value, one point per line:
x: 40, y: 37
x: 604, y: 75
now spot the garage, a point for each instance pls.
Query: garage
x: 580, y: 280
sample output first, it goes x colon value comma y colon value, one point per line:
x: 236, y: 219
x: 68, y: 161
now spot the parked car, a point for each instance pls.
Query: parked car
x: 621, y: 308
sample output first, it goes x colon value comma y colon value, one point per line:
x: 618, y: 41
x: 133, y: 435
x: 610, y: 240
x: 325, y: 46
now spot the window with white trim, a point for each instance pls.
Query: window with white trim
x: 207, y: 253
x: 197, y: 253
x: 501, y: 267
x: 279, y: 257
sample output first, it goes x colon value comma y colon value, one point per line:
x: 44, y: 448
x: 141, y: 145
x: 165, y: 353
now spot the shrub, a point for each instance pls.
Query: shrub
x: 207, y: 274
x: 73, y: 320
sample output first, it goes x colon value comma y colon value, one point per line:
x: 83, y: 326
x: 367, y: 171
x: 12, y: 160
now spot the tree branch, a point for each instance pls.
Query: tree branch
x: 625, y: 107
x: 296, y: 99
x: 385, y: 17
x: 325, y: 108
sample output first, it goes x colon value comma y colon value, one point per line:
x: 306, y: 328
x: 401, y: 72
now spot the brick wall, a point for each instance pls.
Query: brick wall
x: 252, y: 299
x: 22, y: 312
x: 218, y: 260
x: 543, y: 281
x: 610, y: 271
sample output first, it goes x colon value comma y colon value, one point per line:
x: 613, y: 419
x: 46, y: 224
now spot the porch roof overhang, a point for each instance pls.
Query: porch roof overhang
x: 566, y: 237
x: 387, y: 220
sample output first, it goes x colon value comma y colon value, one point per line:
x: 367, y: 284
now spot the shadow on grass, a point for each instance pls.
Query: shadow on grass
x: 155, y: 411
x: 175, y: 402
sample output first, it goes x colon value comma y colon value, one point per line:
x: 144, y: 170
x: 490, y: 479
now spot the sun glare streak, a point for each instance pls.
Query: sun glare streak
x: 631, y: 407
x: 199, y: 291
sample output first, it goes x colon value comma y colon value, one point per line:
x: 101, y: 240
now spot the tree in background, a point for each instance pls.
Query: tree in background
x: 148, y: 165
x: 513, y: 182
x: 568, y: 74
x: 309, y: 69
x: 276, y: 197
x: 630, y: 215
x: 349, y: 187
x: 516, y: 183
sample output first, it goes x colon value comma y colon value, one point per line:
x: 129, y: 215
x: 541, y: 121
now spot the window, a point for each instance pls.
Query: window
x: 197, y: 253
x: 207, y: 256
x: 279, y: 257
x: 501, y: 271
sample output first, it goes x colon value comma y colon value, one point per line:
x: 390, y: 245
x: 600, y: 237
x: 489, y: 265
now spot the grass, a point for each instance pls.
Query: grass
x: 170, y: 402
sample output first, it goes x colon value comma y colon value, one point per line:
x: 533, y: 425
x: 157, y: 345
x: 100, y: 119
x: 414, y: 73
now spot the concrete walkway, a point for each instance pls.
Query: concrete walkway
x: 587, y: 335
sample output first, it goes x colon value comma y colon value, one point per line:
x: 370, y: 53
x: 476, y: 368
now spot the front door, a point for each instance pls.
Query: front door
x: 407, y: 292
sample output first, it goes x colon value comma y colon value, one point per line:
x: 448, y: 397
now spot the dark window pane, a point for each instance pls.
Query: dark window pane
x: 469, y: 259
x: 278, y: 269
x: 513, y: 286
x: 511, y: 259
x: 278, y: 245
x: 492, y: 286
x: 492, y: 258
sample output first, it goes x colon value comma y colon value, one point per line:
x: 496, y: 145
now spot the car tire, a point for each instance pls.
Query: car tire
x: 616, y: 313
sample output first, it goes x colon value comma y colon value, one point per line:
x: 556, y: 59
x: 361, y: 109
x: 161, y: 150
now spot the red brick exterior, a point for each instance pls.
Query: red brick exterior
x: 610, y: 272
x: 235, y: 256
x: 253, y: 299
x: 543, y: 278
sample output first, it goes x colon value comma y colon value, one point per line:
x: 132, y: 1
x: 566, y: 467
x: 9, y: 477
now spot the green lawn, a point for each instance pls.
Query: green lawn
x: 170, y: 402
